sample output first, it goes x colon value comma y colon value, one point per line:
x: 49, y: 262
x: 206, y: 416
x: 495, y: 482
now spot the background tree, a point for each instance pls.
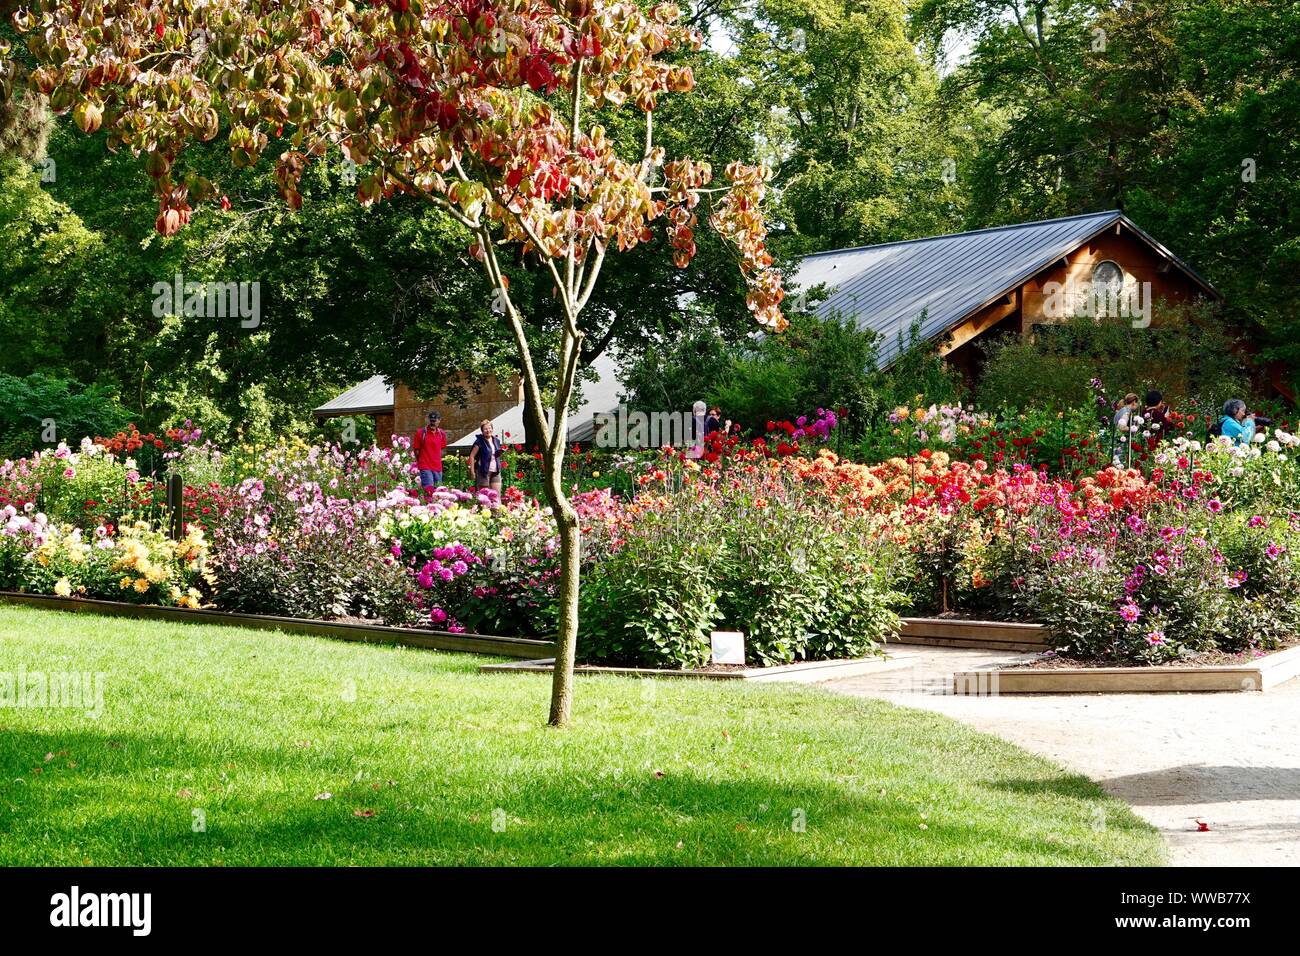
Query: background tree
x: 864, y: 150
x: 1180, y: 112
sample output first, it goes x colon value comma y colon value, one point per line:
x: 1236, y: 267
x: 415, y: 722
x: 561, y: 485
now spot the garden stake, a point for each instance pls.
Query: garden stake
x: 175, y: 504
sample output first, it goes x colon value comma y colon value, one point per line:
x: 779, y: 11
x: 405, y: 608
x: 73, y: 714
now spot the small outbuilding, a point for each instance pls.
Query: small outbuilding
x: 965, y: 287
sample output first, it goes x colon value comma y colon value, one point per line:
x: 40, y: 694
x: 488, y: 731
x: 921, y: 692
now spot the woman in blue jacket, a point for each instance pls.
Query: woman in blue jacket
x: 1235, y: 423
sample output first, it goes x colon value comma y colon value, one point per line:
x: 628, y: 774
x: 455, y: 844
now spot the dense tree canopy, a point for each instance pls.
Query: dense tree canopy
x: 1182, y: 112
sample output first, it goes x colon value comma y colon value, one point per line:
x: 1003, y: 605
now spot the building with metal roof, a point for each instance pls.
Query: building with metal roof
x: 963, y: 285
x: 397, y: 410
x: 371, y: 397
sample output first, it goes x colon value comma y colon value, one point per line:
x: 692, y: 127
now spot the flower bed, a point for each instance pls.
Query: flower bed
x: 811, y: 556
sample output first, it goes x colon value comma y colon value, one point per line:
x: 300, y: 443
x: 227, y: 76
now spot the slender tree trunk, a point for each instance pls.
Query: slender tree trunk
x: 566, y: 638
x: 566, y: 522
x: 534, y: 435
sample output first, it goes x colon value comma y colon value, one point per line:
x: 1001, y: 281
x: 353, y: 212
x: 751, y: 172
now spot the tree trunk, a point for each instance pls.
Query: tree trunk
x: 534, y: 437
x: 566, y: 638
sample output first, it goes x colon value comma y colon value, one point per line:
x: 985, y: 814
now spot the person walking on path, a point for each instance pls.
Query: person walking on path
x: 428, y: 444
x: 485, y: 458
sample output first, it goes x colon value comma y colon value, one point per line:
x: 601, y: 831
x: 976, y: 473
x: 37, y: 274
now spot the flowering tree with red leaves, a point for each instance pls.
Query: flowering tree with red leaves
x: 476, y: 107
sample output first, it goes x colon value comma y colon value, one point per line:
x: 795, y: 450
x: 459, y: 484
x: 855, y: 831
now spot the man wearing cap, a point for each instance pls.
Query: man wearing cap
x: 428, y: 445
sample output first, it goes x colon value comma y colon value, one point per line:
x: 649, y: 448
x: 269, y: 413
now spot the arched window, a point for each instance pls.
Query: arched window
x: 1107, y: 287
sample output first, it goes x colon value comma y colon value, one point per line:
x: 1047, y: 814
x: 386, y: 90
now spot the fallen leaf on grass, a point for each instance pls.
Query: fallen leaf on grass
x: 184, y: 793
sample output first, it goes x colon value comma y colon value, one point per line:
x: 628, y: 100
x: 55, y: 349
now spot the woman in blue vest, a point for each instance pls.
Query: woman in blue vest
x: 485, y: 458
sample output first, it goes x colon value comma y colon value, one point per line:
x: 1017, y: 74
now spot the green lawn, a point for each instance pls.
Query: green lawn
x: 429, y: 762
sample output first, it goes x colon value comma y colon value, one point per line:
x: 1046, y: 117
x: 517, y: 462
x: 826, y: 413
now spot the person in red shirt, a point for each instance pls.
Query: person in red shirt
x: 428, y: 445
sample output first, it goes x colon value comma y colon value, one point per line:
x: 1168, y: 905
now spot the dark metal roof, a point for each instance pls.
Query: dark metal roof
x: 948, y: 278
x: 370, y: 397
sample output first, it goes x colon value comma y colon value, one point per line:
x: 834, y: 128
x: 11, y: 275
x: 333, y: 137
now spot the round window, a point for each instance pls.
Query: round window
x: 1108, y: 278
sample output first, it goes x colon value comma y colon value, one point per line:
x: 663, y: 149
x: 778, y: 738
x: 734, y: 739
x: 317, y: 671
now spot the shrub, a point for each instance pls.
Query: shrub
x: 803, y: 583
x: 477, y: 567
x: 288, y: 548
x: 135, y: 563
x: 27, y: 403
x: 652, y: 602
x: 1187, y: 354
x: 754, y: 548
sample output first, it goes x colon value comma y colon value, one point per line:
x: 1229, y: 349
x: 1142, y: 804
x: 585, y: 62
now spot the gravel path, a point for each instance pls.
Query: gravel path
x: 1230, y: 761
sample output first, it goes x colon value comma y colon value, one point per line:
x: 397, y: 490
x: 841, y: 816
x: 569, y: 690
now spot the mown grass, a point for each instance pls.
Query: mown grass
x: 429, y: 762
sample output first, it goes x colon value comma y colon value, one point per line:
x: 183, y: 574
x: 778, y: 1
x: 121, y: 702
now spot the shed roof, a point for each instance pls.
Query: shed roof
x: 598, y: 396
x: 370, y: 397
x: 887, y: 287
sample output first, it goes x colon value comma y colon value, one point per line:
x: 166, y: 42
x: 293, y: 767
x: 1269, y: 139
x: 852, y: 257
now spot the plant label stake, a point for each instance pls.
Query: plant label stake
x: 728, y: 647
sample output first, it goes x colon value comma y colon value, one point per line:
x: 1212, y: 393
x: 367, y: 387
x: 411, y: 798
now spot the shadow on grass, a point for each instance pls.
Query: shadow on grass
x: 130, y: 799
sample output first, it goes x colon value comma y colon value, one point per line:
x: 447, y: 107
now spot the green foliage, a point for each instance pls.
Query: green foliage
x: 803, y: 587
x: 28, y: 403
x: 1187, y: 355
x: 864, y: 147
x: 1181, y: 114
x: 757, y: 387
x: 48, y: 314
x: 918, y: 369
x: 816, y: 363
x: 755, y: 554
x: 652, y: 601
x: 675, y: 376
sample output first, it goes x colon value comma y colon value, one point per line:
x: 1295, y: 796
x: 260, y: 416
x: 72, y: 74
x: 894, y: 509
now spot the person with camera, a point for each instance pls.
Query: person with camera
x: 1236, y: 423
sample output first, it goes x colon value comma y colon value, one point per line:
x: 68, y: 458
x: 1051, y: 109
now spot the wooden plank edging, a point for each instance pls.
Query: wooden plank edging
x: 521, y: 647
x: 803, y: 672
x: 1259, y: 675
x: 958, y: 632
